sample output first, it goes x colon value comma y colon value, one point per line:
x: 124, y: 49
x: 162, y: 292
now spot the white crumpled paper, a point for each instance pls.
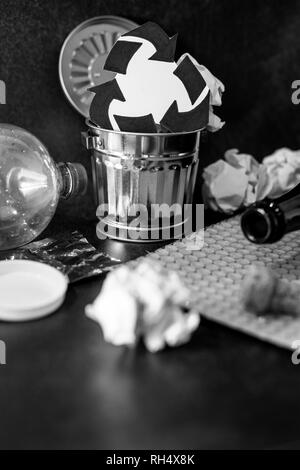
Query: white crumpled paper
x: 263, y: 292
x: 194, y: 241
x: 239, y: 180
x: 144, y: 302
x: 280, y: 172
x: 230, y: 183
x: 216, y: 88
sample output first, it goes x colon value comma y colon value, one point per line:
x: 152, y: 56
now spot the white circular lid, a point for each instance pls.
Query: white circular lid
x: 30, y: 290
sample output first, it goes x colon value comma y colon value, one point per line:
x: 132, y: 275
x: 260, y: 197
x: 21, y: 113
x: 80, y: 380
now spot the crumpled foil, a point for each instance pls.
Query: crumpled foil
x: 71, y: 254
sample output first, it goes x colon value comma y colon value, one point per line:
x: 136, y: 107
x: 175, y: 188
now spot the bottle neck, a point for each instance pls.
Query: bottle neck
x: 72, y: 179
x: 268, y: 221
x: 263, y: 223
x: 291, y: 210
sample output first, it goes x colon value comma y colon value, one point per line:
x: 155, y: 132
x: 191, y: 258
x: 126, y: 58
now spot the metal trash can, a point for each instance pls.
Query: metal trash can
x: 134, y: 173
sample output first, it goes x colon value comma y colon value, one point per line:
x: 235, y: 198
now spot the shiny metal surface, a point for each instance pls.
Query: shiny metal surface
x: 83, y: 55
x: 133, y: 169
x: 137, y: 146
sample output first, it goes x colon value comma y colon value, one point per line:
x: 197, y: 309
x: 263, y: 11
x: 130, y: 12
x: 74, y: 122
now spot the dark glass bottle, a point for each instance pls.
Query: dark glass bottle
x: 269, y: 220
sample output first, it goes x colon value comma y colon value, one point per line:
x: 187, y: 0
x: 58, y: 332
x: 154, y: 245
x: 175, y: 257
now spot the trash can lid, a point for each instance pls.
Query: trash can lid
x: 29, y: 290
x: 83, y: 55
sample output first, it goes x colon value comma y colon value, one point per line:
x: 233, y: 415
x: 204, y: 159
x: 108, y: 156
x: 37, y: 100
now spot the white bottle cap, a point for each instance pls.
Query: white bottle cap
x: 30, y: 290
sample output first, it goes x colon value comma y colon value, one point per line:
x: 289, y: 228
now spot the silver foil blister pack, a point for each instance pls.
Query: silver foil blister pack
x: 71, y: 254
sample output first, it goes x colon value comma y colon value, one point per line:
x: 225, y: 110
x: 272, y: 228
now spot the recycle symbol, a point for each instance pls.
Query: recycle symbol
x: 150, y: 92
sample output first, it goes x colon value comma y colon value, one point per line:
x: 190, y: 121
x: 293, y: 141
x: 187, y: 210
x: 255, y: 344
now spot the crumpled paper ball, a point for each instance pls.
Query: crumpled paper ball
x: 239, y: 180
x: 194, y: 241
x: 280, y: 172
x: 263, y: 292
x: 144, y: 302
x: 216, y: 88
x: 230, y: 183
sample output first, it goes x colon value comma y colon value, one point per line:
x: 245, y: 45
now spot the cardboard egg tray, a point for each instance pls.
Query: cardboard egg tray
x: 214, y: 274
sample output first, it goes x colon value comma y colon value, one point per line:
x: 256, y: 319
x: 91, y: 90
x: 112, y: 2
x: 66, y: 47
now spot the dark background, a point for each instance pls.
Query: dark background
x: 63, y: 386
x: 252, y: 46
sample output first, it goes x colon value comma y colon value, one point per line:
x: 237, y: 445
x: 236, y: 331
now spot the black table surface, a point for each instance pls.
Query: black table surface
x: 63, y: 387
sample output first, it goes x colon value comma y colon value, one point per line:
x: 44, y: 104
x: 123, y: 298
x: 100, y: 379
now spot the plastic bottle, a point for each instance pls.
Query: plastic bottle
x: 31, y: 185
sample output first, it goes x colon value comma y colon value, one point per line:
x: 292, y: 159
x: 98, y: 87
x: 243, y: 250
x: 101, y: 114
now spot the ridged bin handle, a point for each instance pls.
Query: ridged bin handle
x: 92, y: 141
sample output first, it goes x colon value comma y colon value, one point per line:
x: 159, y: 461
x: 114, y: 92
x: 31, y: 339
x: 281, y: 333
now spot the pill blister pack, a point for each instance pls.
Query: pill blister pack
x: 214, y: 275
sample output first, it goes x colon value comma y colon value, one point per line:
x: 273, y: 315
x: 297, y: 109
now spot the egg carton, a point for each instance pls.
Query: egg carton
x: 214, y: 275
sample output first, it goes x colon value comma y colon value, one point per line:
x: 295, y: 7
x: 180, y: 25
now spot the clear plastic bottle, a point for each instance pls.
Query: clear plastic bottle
x: 31, y: 185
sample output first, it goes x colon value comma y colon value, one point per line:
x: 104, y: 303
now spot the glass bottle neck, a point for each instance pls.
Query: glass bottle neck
x: 72, y: 179
x: 267, y: 221
x: 291, y: 211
